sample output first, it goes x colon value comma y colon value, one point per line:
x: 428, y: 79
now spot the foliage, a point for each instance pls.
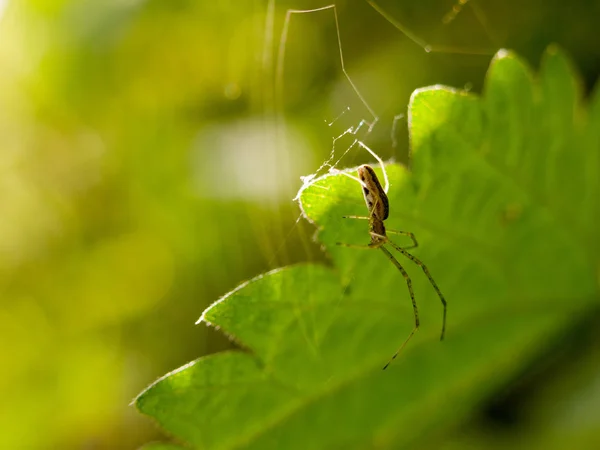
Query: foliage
x: 147, y: 162
x: 502, y: 197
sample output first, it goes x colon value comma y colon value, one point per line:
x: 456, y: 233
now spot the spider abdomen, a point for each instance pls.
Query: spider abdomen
x: 375, y: 196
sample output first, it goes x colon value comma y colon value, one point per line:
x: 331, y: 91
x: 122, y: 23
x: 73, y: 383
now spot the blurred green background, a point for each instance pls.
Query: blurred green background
x: 149, y: 156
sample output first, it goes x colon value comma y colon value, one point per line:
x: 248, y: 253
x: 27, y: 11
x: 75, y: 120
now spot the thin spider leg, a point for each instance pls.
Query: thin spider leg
x: 401, y: 348
x: 381, y: 164
x: 372, y: 211
x: 356, y: 217
x: 335, y: 171
x: 363, y: 246
x: 431, y: 280
x: 412, y: 298
x: 409, y: 234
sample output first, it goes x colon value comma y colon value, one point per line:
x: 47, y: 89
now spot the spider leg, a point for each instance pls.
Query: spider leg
x: 356, y: 217
x: 410, y: 235
x: 343, y: 244
x: 370, y: 216
x: 381, y: 164
x: 412, y: 298
x: 431, y: 280
x: 335, y: 171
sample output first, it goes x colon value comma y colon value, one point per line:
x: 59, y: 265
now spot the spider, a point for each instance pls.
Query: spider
x: 378, y: 205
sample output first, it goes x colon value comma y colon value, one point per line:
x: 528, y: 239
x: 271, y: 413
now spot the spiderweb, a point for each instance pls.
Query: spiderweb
x: 360, y: 116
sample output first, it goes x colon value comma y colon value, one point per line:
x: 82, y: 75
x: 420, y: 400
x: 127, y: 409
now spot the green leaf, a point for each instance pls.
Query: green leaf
x: 503, y: 198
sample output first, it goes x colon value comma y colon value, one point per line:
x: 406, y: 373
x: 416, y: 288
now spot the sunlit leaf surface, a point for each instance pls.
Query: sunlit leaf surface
x: 503, y: 199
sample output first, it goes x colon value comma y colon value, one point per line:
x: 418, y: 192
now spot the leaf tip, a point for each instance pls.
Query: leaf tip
x: 554, y: 52
x: 503, y: 53
x: 203, y: 315
x: 509, y: 58
x: 428, y: 89
x: 554, y: 58
x: 553, y: 49
x: 423, y: 95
